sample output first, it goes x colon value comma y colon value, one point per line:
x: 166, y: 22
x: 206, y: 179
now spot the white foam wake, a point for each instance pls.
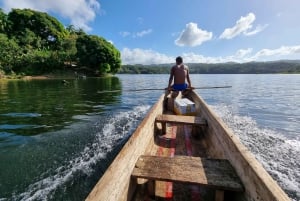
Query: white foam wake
x: 279, y: 155
x: 117, y: 127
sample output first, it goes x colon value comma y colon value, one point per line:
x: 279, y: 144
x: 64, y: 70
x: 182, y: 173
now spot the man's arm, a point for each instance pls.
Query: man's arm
x: 188, y: 78
x: 171, y: 79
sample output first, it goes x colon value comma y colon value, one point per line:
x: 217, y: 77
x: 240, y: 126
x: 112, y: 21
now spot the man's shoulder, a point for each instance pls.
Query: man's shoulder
x: 175, y: 67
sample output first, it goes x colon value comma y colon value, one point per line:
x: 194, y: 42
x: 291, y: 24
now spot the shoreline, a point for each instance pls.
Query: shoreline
x: 35, y: 77
x: 44, y: 77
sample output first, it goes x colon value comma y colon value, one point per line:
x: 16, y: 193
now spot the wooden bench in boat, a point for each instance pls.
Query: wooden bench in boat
x: 213, y: 173
x: 179, y: 119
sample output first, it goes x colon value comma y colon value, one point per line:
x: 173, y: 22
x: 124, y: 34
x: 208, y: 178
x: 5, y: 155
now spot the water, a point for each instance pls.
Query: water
x: 56, y: 140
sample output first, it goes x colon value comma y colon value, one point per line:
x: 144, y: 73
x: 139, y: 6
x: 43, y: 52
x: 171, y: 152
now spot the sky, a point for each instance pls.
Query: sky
x: 201, y: 31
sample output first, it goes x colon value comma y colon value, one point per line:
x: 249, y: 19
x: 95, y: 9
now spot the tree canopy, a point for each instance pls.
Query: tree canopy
x: 34, y: 42
x: 98, y: 54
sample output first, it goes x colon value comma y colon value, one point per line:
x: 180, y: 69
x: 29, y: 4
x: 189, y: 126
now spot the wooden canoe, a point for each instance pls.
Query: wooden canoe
x: 185, y: 158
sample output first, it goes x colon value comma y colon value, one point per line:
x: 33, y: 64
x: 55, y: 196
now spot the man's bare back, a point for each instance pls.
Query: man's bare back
x: 180, y: 74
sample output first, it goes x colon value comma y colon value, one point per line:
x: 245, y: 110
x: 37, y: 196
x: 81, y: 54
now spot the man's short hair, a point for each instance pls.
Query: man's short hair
x: 179, y: 59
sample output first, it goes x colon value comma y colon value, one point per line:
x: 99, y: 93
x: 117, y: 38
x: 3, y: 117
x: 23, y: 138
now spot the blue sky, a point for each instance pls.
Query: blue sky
x: 201, y: 31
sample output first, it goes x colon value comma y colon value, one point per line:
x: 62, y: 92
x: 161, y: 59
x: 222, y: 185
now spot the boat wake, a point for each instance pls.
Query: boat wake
x: 108, y: 135
x: 279, y: 155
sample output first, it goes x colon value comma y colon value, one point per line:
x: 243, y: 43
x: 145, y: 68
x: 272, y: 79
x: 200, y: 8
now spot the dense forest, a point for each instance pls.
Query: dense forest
x: 34, y: 43
x: 292, y: 66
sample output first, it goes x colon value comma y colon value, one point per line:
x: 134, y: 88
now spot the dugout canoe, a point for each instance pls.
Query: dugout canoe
x: 185, y: 158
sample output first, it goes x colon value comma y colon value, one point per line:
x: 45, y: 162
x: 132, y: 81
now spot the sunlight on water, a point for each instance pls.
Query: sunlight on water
x: 22, y: 114
x: 277, y: 153
x: 116, y: 128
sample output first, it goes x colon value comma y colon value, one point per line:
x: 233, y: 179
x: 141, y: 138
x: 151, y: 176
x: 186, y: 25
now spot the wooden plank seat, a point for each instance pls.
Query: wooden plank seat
x: 179, y: 119
x: 213, y: 173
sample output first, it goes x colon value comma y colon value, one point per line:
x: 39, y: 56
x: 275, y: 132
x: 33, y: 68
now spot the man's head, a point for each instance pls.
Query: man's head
x: 179, y: 60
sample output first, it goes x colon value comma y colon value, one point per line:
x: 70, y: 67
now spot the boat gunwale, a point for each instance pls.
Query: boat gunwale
x: 255, y: 168
x: 106, y: 187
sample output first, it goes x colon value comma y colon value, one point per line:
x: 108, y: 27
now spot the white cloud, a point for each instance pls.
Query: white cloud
x: 242, y: 53
x: 243, y: 26
x: 79, y: 12
x: 279, y: 14
x: 259, y: 28
x: 140, y: 20
x: 193, y: 36
x: 142, y: 56
x: 137, y: 34
x: 239, y: 56
x: 144, y: 32
x: 282, y: 51
x: 124, y: 33
x: 192, y: 57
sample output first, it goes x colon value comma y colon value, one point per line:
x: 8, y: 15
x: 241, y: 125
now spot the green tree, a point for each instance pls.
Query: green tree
x: 104, y: 68
x: 49, y: 29
x: 68, y: 49
x: 98, y: 54
x: 9, y: 53
x: 33, y: 42
x: 38, y: 62
x: 71, y: 29
x: 3, y: 21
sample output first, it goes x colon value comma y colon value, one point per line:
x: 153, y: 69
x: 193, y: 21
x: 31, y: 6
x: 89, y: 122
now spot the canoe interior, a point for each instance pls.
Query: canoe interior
x: 214, y: 141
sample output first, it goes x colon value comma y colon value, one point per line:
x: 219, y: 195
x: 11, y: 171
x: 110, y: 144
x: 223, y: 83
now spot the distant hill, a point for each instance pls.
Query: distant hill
x: 281, y: 66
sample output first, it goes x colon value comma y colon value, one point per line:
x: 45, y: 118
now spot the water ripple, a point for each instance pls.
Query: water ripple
x: 12, y: 114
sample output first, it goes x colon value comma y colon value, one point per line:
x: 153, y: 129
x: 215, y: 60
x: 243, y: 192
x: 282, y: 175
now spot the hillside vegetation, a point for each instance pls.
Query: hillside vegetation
x: 220, y: 68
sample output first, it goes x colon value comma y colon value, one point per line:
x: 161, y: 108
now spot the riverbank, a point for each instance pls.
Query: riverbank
x: 40, y: 77
x: 54, y: 75
x: 70, y: 75
x: 35, y: 77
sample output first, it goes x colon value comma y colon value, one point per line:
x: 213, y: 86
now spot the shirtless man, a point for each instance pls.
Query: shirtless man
x: 179, y: 73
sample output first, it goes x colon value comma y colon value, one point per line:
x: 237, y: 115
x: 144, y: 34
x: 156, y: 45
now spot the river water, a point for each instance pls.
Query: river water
x: 57, y: 139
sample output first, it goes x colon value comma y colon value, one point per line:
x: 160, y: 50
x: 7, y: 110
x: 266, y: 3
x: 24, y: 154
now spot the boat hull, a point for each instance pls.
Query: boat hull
x: 218, y: 141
